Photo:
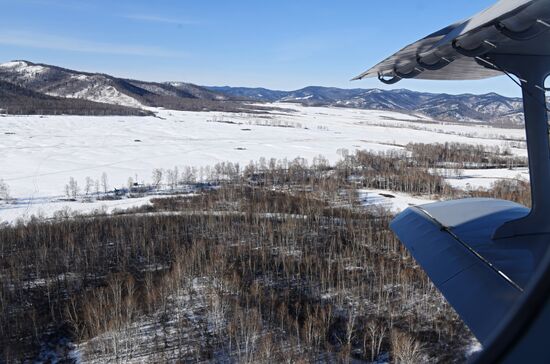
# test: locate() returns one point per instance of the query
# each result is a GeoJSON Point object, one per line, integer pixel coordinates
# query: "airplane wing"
{"type": "Point", "coordinates": [488, 257]}
{"type": "Point", "coordinates": [480, 277]}
{"type": "Point", "coordinates": [456, 52]}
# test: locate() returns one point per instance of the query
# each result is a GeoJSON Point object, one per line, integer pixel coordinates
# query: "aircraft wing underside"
{"type": "Point", "coordinates": [480, 277]}
{"type": "Point", "coordinates": [454, 53]}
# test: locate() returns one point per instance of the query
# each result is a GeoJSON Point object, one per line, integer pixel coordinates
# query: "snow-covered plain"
{"type": "Point", "coordinates": [40, 153]}
{"type": "Point", "coordinates": [24, 209]}
{"type": "Point", "coordinates": [484, 178]}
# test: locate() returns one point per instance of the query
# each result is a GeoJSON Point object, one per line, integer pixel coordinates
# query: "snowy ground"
{"type": "Point", "coordinates": [393, 201]}
{"type": "Point", "coordinates": [475, 178]}
{"type": "Point", "coordinates": [24, 209]}
{"type": "Point", "coordinates": [40, 153]}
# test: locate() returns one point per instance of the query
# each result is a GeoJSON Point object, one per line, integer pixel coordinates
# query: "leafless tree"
{"type": "Point", "coordinates": [4, 191]}
{"type": "Point", "coordinates": [406, 349]}
{"type": "Point", "coordinates": [373, 339]}
{"type": "Point", "coordinates": [157, 177]}
{"type": "Point", "coordinates": [73, 188]}
{"type": "Point", "coordinates": [88, 185]}
{"type": "Point", "coordinates": [104, 182]}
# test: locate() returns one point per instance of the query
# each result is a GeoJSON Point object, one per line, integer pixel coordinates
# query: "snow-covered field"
{"type": "Point", "coordinates": [48, 207]}
{"type": "Point", "coordinates": [40, 153]}
{"type": "Point", "coordinates": [475, 178]}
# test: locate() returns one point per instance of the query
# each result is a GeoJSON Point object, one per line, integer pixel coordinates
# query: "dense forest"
{"type": "Point", "coordinates": [280, 263]}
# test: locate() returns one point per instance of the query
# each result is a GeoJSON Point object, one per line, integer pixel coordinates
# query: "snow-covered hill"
{"type": "Point", "coordinates": [22, 101]}
{"type": "Point", "coordinates": [61, 82]}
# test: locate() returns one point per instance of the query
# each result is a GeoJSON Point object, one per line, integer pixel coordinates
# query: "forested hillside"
{"type": "Point", "coordinates": [16, 100]}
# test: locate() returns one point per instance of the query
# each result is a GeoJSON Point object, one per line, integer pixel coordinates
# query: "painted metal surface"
{"type": "Point", "coordinates": [480, 277]}
{"type": "Point", "coordinates": [483, 32]}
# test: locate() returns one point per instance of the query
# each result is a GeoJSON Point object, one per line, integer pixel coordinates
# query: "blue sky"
{"type": "Point", "coordinates": [283, 44]}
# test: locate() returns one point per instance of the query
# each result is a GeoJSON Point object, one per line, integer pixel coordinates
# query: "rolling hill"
{"type": "Point", "coordinates": [97, 87]}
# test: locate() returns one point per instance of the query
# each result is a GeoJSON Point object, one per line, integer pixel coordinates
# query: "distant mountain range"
{"type": "Point", "coordinates": [466, 107]}
{"type": "Point", "coordinates": [30, 82]}
{"type": "Point", "coordinates": [33, 88]}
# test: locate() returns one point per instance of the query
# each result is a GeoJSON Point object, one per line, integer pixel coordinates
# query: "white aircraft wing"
{"type": "Point", "coordinates": [457, 51]}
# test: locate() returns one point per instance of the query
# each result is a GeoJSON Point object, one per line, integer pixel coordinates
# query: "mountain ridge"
{"type": "Point", "coordinates": [489, 107]}
{"type": "Point", "coordinates": [101, 88]}
{"type": "Point", "coordinates": [62, 82]}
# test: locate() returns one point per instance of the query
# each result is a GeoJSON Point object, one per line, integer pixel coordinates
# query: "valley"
{"type": "Point", "coordinates": [166, 222]}
{"type": "Point", "coordinates": [41, 153]}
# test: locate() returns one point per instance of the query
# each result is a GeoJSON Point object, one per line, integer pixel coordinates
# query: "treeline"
{"type": "Point", "coordinates": [198, 104]}
{"type": "Point", "coordinates": [514, 190]}
{"type": "Point", "coordinates": [393, 170]}
{"type": "Point", "coordinates": [460, 155]}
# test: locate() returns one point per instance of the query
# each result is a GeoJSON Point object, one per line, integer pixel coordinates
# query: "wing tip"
{"type": "Point", "coordinates": [360, 76]}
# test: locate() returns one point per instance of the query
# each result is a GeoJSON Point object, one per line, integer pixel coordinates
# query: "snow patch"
{"type": "Point", "coordinates": [80, 77]}
{"type": "Point", "coordinates": [388, 200]}
{"type": "Point", "coordinates": [26, 70]}
{"type": "Point", "coordinates": [101, 93]}
{"type": "Point", "coordinates": [474, 348]}
{"type": "Point", "coordinates": [482, 178]}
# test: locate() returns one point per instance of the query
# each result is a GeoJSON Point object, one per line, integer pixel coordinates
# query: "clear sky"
{"type": "Point", "coordinates": [279, 44]}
